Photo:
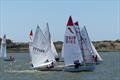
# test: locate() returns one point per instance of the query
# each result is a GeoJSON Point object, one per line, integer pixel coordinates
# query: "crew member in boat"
{"type": "Point", "coordinates": [94, 58]}
{"type": "Point", "coordinates": [77, 63]}
{"type": "Point", "coordinates": [50, 65]}
{"type": "Point", "coordinates": [11, 57]}
{"type": "Point", "coordinates": [31, 64]}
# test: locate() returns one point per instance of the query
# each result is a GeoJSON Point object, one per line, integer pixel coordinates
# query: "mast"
{"type": "Point", "coordinates": [78, 33]}
{"type": "Point", "coordinates": [40, 50]}
{"type": "Point", "coordinates": [72, 51]}
{"type": "Point", "coordinates": [87, 45]}
{"type": "Point", "coordinates": [91, 51]}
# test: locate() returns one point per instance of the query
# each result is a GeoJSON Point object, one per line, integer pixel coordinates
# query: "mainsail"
{"type": "Point", "coordinates": [40, 50]}
{"type": "Point", "coordinates": [90, 44]}
{"type": "Point", "coordinates": [71, 48]}
{"type": "Point", "coordinates": [3, 48]}
{"type": "Point", "coordinates": [86, 45]}
{"type": "Point", "coordinates": [48, 37]}
{"type": "Point", "coordinates": [96, 53]}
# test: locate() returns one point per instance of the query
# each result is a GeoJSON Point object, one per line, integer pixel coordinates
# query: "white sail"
{"type": "Point", "coordinates": [71, 47]}
{"type": "Point", "coordinates": [62, 53]}
{"type": "Point", "coordinates": [48, 37]}
{"type": "Point", "coordinates": [54, 50]}
{"type": "Point", "coordinates": [3, 48]}
{"type": "Point", "coordinates": [30, 44]}
{"type": "Point", "coordinates": [86, 45]}
{"type": "Point", "coordinates": [90, 46]}
{"type": "Point", "coordinates": [40, 51]}
{"type": "Point", "coordinates": [96, 53]}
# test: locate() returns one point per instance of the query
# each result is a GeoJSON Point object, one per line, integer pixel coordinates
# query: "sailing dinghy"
{"type": "Point", "coordinates": [73, 54]}
{"type": "Point", "coordinates": [3, 53]}
{"type": "Point", "coordinates": [95, 55]}
{"type": "Point", "coordinates": [41, 54]}
{"type": "Point", "coordinates": [48, 37]}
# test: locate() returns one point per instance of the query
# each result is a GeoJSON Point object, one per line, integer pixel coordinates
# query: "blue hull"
{"type": "Point", "coordinates": [98, 62]}
{"type": "Point", "coordinates": [80, 68]}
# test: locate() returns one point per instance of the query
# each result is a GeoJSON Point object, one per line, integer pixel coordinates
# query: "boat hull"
{"type": "Point", "coordinates": [55, 68]}
{"type": "Point", "coordinates": [80, 68]}
{"type": "Point", "coordinates": [8, 59]}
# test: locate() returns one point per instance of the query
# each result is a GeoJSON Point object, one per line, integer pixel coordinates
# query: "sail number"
{"type": "Point", "coordinates": [70, 39]}
{"type": "Point", "coordinates": [39, 50]}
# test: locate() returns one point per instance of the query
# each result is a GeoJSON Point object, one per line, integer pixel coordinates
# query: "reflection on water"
{"type": "Point", "coordinates": [20, 70]}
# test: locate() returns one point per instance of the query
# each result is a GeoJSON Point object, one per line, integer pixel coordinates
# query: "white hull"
{"type": "Point", "coordinates": [80, 68]}
{"type": "Point", "coordinates": [55, 68]}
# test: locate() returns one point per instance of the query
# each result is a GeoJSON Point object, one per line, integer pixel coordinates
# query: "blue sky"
{"type": "Point", "coordinates": [101, 17]}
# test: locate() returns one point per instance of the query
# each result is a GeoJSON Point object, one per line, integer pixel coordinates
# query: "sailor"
{"type": "Point", "coordinates": [31, 64]}
{"type": "Point", "coordinates": [11, 57]}
{"type": "Point", "coordinates": [77, 63]}
{"type": "Point", "coordinates": [50, 65]}
{"type": "Point", "coordinates": [95, 58]}
{"type": "Point", "coordinates": [57, 59]}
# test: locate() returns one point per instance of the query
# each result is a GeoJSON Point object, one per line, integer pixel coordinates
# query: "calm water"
{"type": "Point", "coordinates": [19, 70]}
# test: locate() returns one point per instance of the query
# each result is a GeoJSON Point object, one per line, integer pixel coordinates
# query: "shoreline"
{"type": "Point", "coordinates": [15, 50]}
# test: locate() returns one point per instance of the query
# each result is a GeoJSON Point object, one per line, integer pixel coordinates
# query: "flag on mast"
{"type": "Point", "coordinates": [31, 35]}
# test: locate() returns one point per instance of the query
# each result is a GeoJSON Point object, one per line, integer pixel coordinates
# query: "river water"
{"type": "Point", "coordinates": [20, 70]}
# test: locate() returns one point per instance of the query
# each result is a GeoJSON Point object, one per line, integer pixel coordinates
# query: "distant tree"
{"type": "Point", "coordinates": [117, 40]}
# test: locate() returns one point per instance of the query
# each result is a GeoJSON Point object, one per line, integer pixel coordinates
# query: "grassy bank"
{"type": "Point", "coordinates": [16, 50]}
{"type": "Point", "coordinates": [101, 46]}
{"type": "Point", "coordinates": [26, 50]}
